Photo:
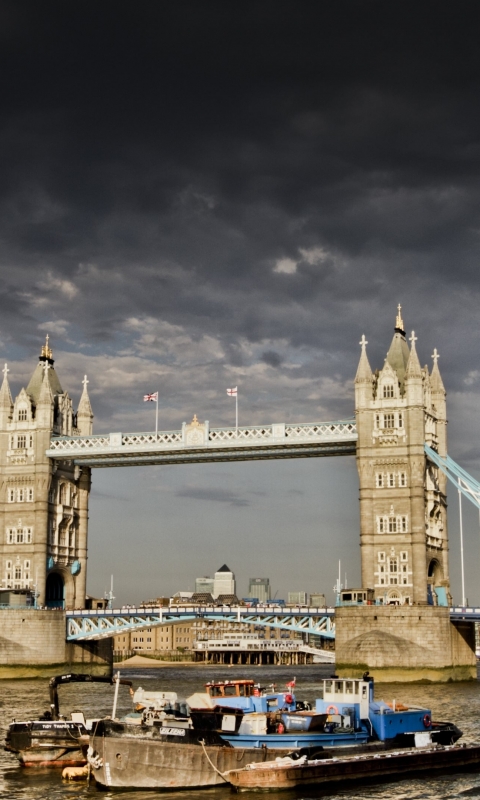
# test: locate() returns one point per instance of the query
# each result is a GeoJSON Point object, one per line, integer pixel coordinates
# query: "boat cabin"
{"type": "Point", "coordinates": [240, 688]}
{"type": "Point", "coordinates": [346, 698]}
{"type": "Point", "coordinates": [356, 597]}
{"type": "Point", "coordinates": [244, 694]}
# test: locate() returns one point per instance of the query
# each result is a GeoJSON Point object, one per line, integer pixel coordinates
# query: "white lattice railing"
{"type": "Point", "coordinates": [321, 430]}
{"type": "Point", "coordinates": [242, 434]}
{"type": "Point", "coordinates": [164, 438]}
{"type": "Point", "coordinates": [275, 434]}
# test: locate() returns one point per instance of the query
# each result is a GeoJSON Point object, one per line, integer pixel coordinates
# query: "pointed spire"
{"type": "Point", "coordinates": [85, 413]}
{"type": "Point", "coordinates": [413, 369]}
{"type": "Point", "coordinates": [46, 395]}
{"type": "Point", "coordinates": [398, 353]}
{"type": "Point", "coordinates": [46, 351]}
{"type": "Point", "coordinates": [436, 378]}
{"type": "Point", "coordinates": [364, 371]}
{"type": "Point", "coordinates": [5, 393]}
{"type": "Point", "coordinates": [399, 326]}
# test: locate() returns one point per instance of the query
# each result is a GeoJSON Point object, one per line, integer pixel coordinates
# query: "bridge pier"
{"type": "Point", "coordinates": [404, 644]}
{"type": "Point", "coordinates": [32, 645]}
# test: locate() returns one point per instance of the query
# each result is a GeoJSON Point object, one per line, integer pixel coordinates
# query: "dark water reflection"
{"type": "Point", "coordinates": [459, 703]}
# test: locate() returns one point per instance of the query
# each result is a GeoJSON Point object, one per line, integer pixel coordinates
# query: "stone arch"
{"type": "Point", "coordinates": [55, 591]}
{"type": "Point", "coordinates": [393, 598]}
{"type": "Point", "coordinates": [435, 572]}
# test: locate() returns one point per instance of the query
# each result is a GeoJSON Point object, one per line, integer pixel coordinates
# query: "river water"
{"type": "Point", "coordinates": [26, 699]}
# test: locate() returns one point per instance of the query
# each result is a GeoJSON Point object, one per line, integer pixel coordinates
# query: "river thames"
{"type": "Point", "coordinates": [26, 699]}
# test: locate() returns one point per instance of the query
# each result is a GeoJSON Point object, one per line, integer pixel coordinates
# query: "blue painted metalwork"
{"type": "Point", "coordinates": [457, 475]}
{"type": "Point", "coordinates": [87, 625]}
{"type": "Point", "coordinates": [459, 613]}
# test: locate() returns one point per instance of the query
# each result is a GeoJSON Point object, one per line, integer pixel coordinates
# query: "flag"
{"type": "Point", "coordinates": [153, 397]}
{"type": "Point", "coordinates": [232, 392]}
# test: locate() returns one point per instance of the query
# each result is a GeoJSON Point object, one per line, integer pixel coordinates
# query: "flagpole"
{"type": "Point", "coordinates": [156, 421]}
{"type": "Point", "coordinates": [236, 412]}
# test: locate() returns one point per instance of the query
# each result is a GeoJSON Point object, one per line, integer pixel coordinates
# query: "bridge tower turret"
{"type": "Point", "coordinates": [403, 521]}
{"type": "Point", "coordinates": [43, 505]}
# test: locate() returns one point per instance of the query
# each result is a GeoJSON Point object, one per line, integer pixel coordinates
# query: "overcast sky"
{"type": "Point", "coordinates": [197, 195]}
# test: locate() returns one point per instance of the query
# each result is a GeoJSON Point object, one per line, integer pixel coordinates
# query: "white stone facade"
{"type": "Point", "coordinates": [43, 504]}
{"type": "Point", "coordinates": [403, 521]}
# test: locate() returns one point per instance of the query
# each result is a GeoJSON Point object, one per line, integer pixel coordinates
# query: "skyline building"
{"type": "Point", "coordinates": [224, 582]}
{"type": "Point", "coordinates": [259, 588]}
{"type": "Point", "coordinates": [204, 585]}
{"type": "Point", "coordinates": [297, 599]}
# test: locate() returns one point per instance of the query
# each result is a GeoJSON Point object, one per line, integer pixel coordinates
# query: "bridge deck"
{"type": "Point", "coordinates": [86, 625]}
{"type": "Point", "coordinates": [203, 444]}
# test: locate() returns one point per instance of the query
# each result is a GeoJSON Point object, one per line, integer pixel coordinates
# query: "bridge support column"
{"type": "Point", "coordinates": [32, 645]}
{"type": "Point", "coordinates": [404, 643]}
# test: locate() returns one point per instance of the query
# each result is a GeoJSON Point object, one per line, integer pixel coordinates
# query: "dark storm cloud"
{"type": "Point", "coordinates": [202, 195]}
{"type": "Point", "coordinates": [272, 178]}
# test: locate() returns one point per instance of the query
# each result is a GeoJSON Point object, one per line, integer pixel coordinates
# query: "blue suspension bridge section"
{"type": "Point", "coordinates": [457, 475]}
{"type": "Point", "coordinates": [101, 624]}
{"type": "Point", "coordinates": [85, 625]}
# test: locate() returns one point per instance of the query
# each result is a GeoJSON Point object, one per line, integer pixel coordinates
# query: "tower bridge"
{"type": "Point", "coordinates": [398, 436]}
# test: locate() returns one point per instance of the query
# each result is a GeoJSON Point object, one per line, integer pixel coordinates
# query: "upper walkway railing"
{"type": "Point", "coordinates": [197, 442]}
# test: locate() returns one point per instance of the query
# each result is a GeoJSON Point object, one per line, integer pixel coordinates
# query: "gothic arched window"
{"type": "Point", "coordinates": [388, 390]}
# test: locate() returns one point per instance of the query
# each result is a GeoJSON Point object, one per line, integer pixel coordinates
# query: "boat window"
{"type": "Point", "coordinates": [338, 687]}
{"type": "Point", "coordinates": [230, 691]}
{"type": "Point", "coordinates": [364, 691]}
{"type": "Point", "coordinates": [348, 687]}
{"type": "Point", "coordinates": [328, 687]}
{"type": "Point", "coordinates": [216, 691]}
{"type": "Point", "coordinates": [357, 687]}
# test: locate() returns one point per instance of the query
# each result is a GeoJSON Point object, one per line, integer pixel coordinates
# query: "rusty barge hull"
{"type": "Point", "coordinates": [381, 767]}
{"type": "Point", "coordinates": [152, 764]}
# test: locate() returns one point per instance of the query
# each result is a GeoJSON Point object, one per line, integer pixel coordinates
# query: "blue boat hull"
{"type": "Point", "coordinates": [295, 739]}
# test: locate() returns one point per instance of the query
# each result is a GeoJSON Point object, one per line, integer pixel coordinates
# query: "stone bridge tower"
{"type": "Point", "coordinates": [403, 519]}
{"type": "Point", "coordinates": [43, 505]}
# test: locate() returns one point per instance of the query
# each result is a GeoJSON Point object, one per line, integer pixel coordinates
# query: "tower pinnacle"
{"type": "Point", "coordinates": [85, 413]}
{"type": "Point", "coordinates": [414, 369]}
{"type": "Point", "coordinates": [364, 371]}
{"type": "Point", "coordinates": [399, 326]}
{"type": "Point", "coordinates": [46, 351]}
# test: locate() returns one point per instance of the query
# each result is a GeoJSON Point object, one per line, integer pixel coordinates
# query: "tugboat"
{"type": "Point", "coordinates": [52, 740]}
{"type": "Point", "coordinates": [346, 714]}
{"type": "Point", "coordinates": [236, 723]}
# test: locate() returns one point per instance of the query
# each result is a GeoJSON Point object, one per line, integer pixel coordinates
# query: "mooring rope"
{"type": "Point", "coordinates": [222, 774]}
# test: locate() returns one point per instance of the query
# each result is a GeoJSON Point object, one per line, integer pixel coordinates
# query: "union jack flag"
{"type": "Point", "coordinates": [232, 392]}
{"type": "Point", "coordinates": [153, 397]}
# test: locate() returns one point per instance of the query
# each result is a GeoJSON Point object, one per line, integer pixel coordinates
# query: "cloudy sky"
{"type": "Point", "coordinates": [196, 195]}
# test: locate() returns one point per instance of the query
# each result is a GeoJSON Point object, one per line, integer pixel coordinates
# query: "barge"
{"type": "Point", "coordinates": [380, 767]}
